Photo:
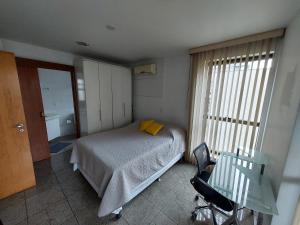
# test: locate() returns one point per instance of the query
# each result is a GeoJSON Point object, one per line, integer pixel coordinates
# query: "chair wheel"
{"type": "Point", "coordinates": [194, 216]}
{"type": "Point", "coordinates": [196, 198]}
{"type": "Point", "coordinates": [118, 216]}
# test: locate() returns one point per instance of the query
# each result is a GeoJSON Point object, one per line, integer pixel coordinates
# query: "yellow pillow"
{"type": "Point", "coordinates": [154, 128]}
{"type": "Point", "coordinates": [144, 124]}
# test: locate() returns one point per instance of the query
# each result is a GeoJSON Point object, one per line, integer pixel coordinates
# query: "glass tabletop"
{"type": "Point", "coordinates": [240, 181]}
{"type": "Point", "coordinates": [250, 155]}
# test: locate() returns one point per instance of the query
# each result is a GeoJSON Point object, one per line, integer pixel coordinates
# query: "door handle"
{"type": "Point", "coordinates": [42, 114]}
{"type": "Point", "coordinates": [20, 127]}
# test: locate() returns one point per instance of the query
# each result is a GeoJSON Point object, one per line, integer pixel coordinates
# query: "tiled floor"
{"type": "Point", "coordinates": [63, 197]}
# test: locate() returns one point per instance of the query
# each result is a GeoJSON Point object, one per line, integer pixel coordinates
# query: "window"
{"type": "Point", "coordinates": [230, 92]}
{"type": "Point", "coordinates": [235, 102]}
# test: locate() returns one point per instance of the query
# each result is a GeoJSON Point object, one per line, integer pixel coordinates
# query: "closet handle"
{"type": "Point", "coordinates": [124, 109]}
{"type": "Point", "coordinates": [100, 114]}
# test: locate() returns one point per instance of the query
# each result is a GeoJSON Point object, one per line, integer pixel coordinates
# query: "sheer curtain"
{"type": "Point", "coordinates": [229, 94]}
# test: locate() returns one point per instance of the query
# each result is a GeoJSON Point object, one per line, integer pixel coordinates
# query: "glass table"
{"type": "Point", "coordinates": [250, 155]}
{"type": "Point", "coordinates": [240, 180]}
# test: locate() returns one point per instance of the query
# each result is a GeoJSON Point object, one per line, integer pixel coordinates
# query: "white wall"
{"type": "Point", "coordinates": [36, 52]}
{"type": "Point", "coordinates": [289, 191]}
{"type": "Point", "coordinates": [1, 45]}
{"type": "Point", "coordinates": [284, 103]}
{"type": "Point", "coordinates": [163, 96]}
{"type": "Point", "coordinates": [280, 124]}
{"type": "Point", "coordinates": [56, 88]}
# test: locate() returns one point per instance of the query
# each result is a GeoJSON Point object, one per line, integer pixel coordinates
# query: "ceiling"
{"type": "Point", "coordinates": [143, 28]}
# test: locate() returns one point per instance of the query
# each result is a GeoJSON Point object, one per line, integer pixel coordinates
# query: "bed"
{"type": "Point", "coordinates": [121, 163]}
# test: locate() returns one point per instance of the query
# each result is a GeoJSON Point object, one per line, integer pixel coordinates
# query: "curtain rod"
{"type": "Point", "coordinates": [237, 41]}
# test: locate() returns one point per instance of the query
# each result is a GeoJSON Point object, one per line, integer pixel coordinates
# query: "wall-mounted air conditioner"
{"type": "Point", "coordinates": [149, 69]}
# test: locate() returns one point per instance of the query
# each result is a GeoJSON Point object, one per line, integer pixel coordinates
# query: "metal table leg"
{"type": "Point", "coordinates": [233, 218]}
{"type": "Point", "coordinates": [260, 219]}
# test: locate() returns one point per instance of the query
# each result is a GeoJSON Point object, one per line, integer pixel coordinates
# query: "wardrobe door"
{"type": "Point", "coordinates": [91, 78]}
{"type": "Point", "coordinates": [127, 94]}
{"type": "Point", "coordinates": [106, 114]}
{"type": "Point", "coordinates": [118, 112]}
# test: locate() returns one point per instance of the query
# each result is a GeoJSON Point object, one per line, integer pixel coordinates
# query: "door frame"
{"type": "Point", "coordinates": [57, 66]}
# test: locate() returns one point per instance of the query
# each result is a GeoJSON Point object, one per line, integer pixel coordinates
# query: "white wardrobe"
{"type": "Point", "coordinates": [105, 96]}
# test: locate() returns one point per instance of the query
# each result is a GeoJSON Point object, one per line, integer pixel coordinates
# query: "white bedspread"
{"type": "Point", "coordinates": [117, 161]}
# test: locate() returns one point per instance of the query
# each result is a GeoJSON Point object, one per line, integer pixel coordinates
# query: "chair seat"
{"type": "Point", "coordinates": [209, 194]}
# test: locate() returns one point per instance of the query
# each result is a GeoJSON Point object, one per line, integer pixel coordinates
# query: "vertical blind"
{"type": "Point", "coordinates": [229, 95]}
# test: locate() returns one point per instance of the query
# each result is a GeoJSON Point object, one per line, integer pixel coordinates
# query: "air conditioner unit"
{"type": "Point", "coordinates": [149, 69]}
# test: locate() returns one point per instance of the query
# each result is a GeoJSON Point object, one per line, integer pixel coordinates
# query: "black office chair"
{"type": "Point", "coordinates": [212, 198]}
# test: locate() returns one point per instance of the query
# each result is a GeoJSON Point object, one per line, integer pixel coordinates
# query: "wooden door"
{"type": "Point", "coordinates": [105, 96]}
{"type": "Point", "coordinates": [16, 168]}
{"type": "Point", "coordinates": [91, 80]}
{"type": "Point", "coordinates": [34, 112]}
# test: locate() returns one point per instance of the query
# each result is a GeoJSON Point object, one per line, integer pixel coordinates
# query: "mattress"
{"type": "Point", "coordinates": [117, 161]}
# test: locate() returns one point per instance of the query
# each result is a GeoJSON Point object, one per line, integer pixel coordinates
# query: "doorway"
{"type": "Point", "coordinates": [49, 93]}
{"type": "Point", "coordinates": [56, 90]}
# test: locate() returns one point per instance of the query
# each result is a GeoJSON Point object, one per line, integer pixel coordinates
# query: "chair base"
{"type": "Point", "coordinates": [231, 219]}
{"type": "Point", "coordinates": [210, 207]}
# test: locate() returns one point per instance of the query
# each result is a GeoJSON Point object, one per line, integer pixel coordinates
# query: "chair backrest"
{"type": "Point", "coordinates": [201, 154]}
